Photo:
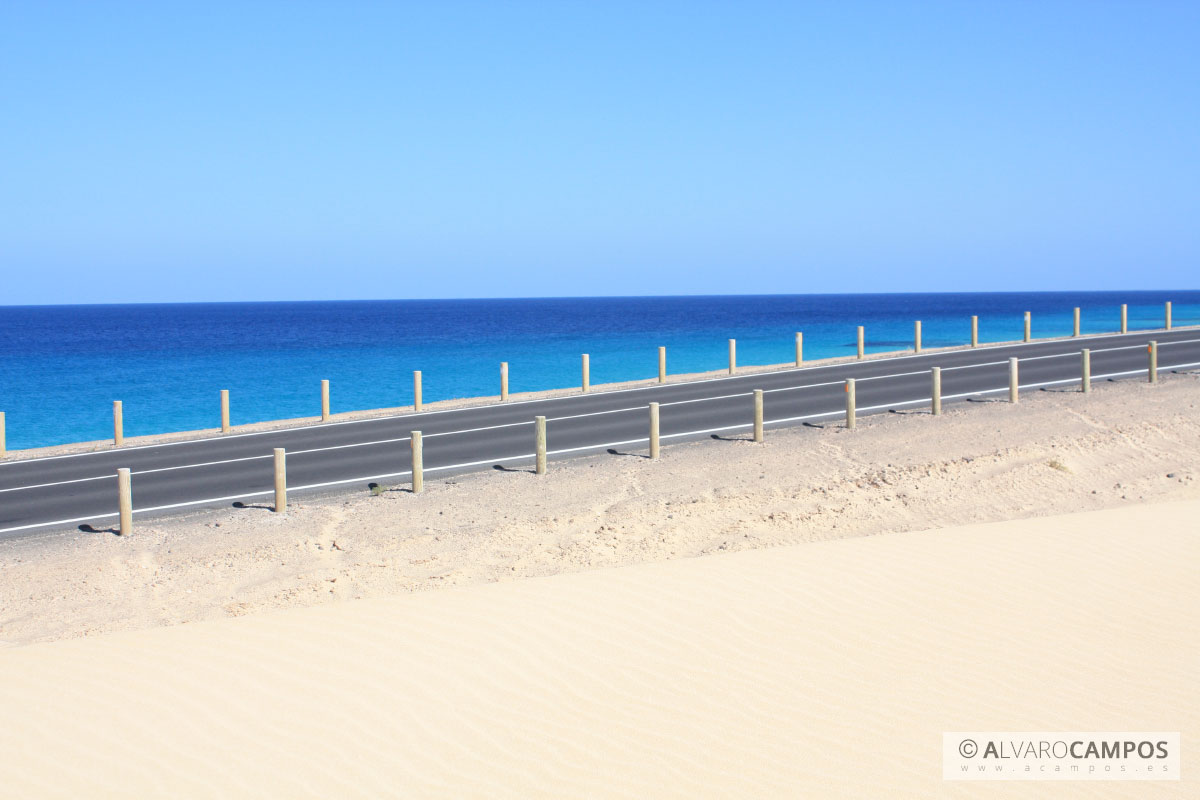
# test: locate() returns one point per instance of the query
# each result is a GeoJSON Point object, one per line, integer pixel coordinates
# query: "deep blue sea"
{"type": "Point", "coordinates": [62, 366]}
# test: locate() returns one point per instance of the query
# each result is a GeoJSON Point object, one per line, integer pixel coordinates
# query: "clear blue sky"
{"type": "Point", "coordinates": [299, 150]}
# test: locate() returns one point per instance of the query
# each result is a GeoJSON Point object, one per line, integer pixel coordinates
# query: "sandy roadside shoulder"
{"type": "Point", "coordinates": [1057, 451]}
{"type": "Point", "coordinates": [817, 670]}
{"type": "Point", "coordinates": [469, 402]}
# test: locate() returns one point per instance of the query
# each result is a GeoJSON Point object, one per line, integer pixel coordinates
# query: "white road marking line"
{"type": "Point", "coordinates": [62, 522]}
{"type": "Point", "coordinates": [342, 446]}
{"type": "Point", "coordinates": [202, 464]}
{"type": "Point", "coordinates": [484, 428]}
{"type": "Point", "coordinates": [57, 483]}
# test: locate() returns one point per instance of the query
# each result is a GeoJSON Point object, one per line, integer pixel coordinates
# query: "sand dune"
{"type": "Point", "coordinates": [826, 669]}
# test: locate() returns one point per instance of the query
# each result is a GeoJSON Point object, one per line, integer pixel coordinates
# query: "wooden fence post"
{"type": "Point", "coordinates": [418, 462]}
{"type": "Point", "coordinates": [758, 415]}
{"type": "Point", "coordinates": [850, 403]}
{"type": "Point", "coordinates": [539, 428]}
{"type": "Point", "coordinates": [654, 443]}
{"type": "Point", "coordinates": [280, 480]}
{"type": "Point", "coordinates": [125, 501]}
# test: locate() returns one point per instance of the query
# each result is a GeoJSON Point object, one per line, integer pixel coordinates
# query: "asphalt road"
{"type": "Point", "coordinates": [64, 491]}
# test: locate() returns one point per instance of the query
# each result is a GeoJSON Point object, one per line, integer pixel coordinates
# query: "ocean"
{"type": "Point", "coordinates": [62, 366]}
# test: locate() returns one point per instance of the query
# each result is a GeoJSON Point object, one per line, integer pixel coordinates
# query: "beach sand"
{"type": "Point", "coordinates": [594, 632]}
{"type": "Point", "coordinates": [825, 669]}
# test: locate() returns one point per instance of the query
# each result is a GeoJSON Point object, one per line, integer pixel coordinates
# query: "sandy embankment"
{"type": "Point", "coordinates": [467, 402]}
{"type": "Point", "coordinates": [816, 670]}
{"type": "Point", "coordinates": [1055, 452]}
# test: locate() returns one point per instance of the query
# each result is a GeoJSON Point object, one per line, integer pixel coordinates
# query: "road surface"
{"type": "Point", "coordinates": [64, 492]}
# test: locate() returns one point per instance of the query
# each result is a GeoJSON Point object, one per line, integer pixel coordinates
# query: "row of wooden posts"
{"type": "Point", "coordinates": [124, 484]}
{"type": "Point", "coordinates": [118, 411]}
{"type": "Point", "coordinates": [118, 422]}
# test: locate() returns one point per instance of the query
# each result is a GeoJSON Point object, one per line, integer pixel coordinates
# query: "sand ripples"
{"type": "Point", "coordinates": [825, 669]}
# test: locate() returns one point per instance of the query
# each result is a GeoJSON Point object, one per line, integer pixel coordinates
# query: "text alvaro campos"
{"type": "Point", "coordinates": [1060, 755]}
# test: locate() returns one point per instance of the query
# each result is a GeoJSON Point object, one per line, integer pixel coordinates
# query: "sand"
{"type": "Point", "coordinates": [814, 670]}
{"type": "Point", "coordinates": [1055, 452]}
{"type": "Point", "coordinates": [595, 633]}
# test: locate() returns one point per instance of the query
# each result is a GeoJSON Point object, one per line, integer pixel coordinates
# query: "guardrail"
{"type": "Point", "coordinates": [757, 423]}
{"type": "Point", "coordinates": [326, 414]}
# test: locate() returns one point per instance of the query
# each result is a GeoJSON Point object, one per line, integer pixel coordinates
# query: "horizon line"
{"type": "Point", "coordinates": [585, 297]}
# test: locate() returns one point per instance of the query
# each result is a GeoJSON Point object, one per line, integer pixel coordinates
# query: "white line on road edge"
{"type": "Point", "coordinates": [203, 464]}
{"type": "Point", "coordinates": [61, 483]}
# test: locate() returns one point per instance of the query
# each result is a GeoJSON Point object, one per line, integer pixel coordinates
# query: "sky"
{"type": "Point", "coordinates": [158, 152]}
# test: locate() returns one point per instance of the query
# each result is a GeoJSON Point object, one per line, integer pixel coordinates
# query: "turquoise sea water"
{"type": "Point", "coordinates": [62, 366]}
